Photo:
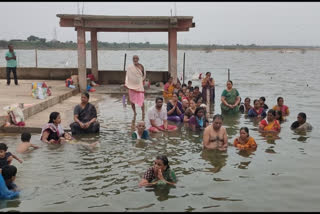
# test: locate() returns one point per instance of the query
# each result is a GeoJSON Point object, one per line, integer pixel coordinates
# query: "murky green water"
{"type": "Point", "coordinates": [281, 175]}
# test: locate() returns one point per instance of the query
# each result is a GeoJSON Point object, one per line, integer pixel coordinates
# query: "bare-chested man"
{"type": "Point", "coordinates": [215, 136]}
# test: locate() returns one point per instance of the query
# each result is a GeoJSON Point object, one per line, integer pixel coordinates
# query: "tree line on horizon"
{"type": "Point", "coordinates": [34, 42]}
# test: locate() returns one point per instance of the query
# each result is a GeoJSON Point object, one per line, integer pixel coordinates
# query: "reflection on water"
{"type": "Point", "coordinates": [216, 158]}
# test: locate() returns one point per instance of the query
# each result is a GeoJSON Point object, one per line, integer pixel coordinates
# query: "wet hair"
{"type": "Point", "coordinates": [198, 109]}
{"type": "Point", "coordinates": [279, 98]}
{"type": "Point", "coordinates": [196, 87]}
{"type": "Point", "coordinates": [262, 98]}
{"type": "Point", "coordinates": [217, 116]}
{"type": "Point", "coordinates": [230, 82]}
{"type": "Point", "coordinates": [164, 160]}
{"type": "Point", "coordinates": [9, 45]}
{"type": "Point", "coordinates": [159, 98]}
{"type": "Point", "coordinates": [25, 137]}
{"type": "Point", "coordinates": [9, 171]}
{"type": "Point", "coordinates": [295, 125]}
{"type": "Point", "coordinates": [208, 73]}
{"type": "Point", "coordinates": [189, 81]}
{"type": "Point", "coordinates": [245, 129]}
{"type": "Point", "coordinates": [280, 114]}
{"type": "Point", "coordinates": [53, 116]}
{"type": "Point", "coordinates": [247, 98]}
{"type": "Point", "coordinates": [254, 102]}
{"type": "Point", "coordinates": [86, 94]}
{"type": "Point", "coordinates": [272, 112]}
{"type": "Point", "coordinates": [303, 115]}
{"type": "Point", "coordinates": [3, 147]}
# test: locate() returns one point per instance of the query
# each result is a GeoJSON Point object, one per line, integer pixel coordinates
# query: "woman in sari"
{"type": "Point", "coordinates": [208, 85]}
{"type": "Point", "coordinates": [190, 111]}
{"type": "Point", "coordinates": [281, 107]}
{"type": "Point", "coordinates": [198, 121]}
{"type": "Point", "coordinates": [230, 99]}
{"type": "Point", "coordinates": [245, 107]}
{"type": "Point", "coordinates": [53, 132]}
{"type": "Point", "coordinates": [270, 124]}
{"type": "Point", "coordinates": [85, 117]}
{"type": "Point", "coordinates": [174, 109]}
{"type": "Point", "coordinates": [160, 173]}
{"type": "Point", "coordinates": [135, 76]}
{"type": "Point", "coordinates": [168, 89]}
{"type": "Point", "coordinates": [245, 141]}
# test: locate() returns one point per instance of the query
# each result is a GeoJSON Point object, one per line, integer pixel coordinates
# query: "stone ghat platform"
{"type": "Point", "coordinates": [63, 100]}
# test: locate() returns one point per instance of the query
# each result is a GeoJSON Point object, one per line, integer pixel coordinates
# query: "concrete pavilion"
{"type": "Point", "coordinates": [98, 23]}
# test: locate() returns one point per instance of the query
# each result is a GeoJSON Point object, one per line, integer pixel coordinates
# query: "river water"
{"type": "Point", "coordinates": [281, 175]}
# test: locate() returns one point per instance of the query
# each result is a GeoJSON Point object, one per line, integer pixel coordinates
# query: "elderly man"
{"type": "Point", "coordinates": [215, 136]}
{"type": "Point", "coordinates": [135, 76]}
{"type": "Point", "coordinates": [157, 119]}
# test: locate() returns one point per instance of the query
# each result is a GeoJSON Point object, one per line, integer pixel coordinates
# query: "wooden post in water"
{"type": "Point", "coordinates": [125, 60]}
{"type": "Point", "coordinates": [184, 63]}
{"type": "Point", "coordinates": [228, 74]}
{"type": "Point", "coordinates": [36, 53]}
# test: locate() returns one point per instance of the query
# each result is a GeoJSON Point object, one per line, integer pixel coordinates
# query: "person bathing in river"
{"type": "Point", "coordinates": [208, 84]}
{"type": "Point", "coordinates": [157, 118]}
{"type": "Point", "coordinates": [134, 81]}
{"type": "Point", "coordinates": [245, 107]}
{"type": "Point", "coordinates": [160, 173]}
{"type": "Point", "coordinates": [281, 107]}
{"type": "Point", "coordinates": [141, 132]}
{"type": "Point", "coordinates": [230, 99]}
{"type": "Point", "coordinates": [257, 110]}
{"type": "Point", "coordinates": [197, 94]}
{"type": "Point", "coordinates": [198, 121]}
{"type": "Point", "coordinates": [215, 135]}
{"type": "Point", "coordinates": [6, 157]}
{"type": "Point", "coordinates": [85, 117]}
{"type": "Point", "coordinates": [262, 101]}
{"type": "Point", "coordinates": [25, 143]}
{"type": "Point", "coordinates": [270, 124]}
{"type": "Point", "coordinates": [168, 89]}
{"type": "Point", "coordinates": [174, 109]}
{"type": "Point", "coordinates": [244, 141]}
{"type": "Point", "coordinates": [279, 116]}
{"type": "Point", "coordinates": [53, 132]}
{"type": "Point", "coordinates": [190, 87]}
{"type": "Point", "coordinates": [301, 123]}
{"type": "Point", "coordinates": [190, 111]}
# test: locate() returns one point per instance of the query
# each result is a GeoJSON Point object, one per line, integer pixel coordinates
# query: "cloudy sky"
{"type": "Point", "coordinates": [224, 23]}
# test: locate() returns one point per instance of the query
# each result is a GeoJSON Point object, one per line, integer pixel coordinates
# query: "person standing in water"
{"type": "Point", "coordinates": [215, 135]}
{"type": "Point", "coordinates": [135, 77]}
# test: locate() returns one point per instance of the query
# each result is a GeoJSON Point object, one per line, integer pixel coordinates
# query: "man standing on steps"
{"type": "Point", "coordinates": [135, 76]}
{"type": "Point", "coordinates": [11, 64]}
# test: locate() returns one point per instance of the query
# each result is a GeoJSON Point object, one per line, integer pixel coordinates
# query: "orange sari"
{"type": "Point", "coordinates": [250, 144]}
{"type": "Point", "coordinates": [273, 126]}
{"type": "Point", "coordinates": [168, 91]}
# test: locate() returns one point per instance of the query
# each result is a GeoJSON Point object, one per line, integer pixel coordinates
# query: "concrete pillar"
{"type": "Point", "coordinates": [82, 70]}
{"type": "Point", "coordinates": [94, 54]}
{"type": "Point", "coordinates": [172, 47]}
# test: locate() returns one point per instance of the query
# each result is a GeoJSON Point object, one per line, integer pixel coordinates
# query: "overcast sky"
{"type": "Point", "coordinates": [224, 23]}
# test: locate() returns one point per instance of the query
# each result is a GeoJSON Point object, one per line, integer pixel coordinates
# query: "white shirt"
{"type": "Point", "coordinates": [157, 116]}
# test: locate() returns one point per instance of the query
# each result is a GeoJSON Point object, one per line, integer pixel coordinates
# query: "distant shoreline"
{"type": "Point", "coordinates": [191, 49]}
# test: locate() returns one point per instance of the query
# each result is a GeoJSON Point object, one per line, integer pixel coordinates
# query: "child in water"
{"type": "Point", "coordinates": [68, 138]}
{"type": "Point", "coordinates": [141, 132]}
{"type": "Point", "coordinates": [6, 157]}
{"type": "Point", "coordinates": [25, 143]}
